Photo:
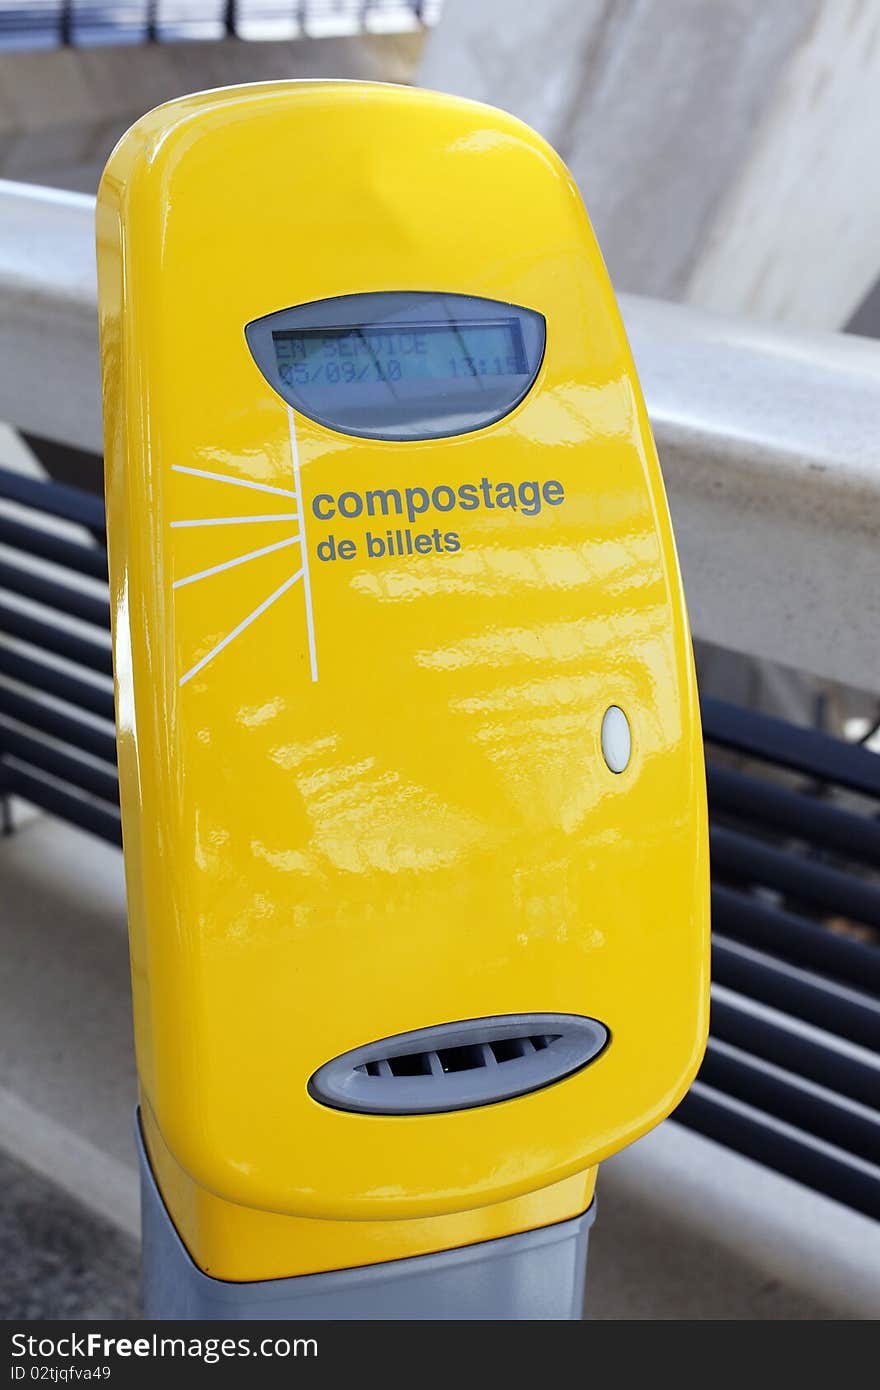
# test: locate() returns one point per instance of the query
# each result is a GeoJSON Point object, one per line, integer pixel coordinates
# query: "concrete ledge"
{"type": "Point", "coordinates": [771, 457]}
{"type": "Point", "coordinates": [49, 312]}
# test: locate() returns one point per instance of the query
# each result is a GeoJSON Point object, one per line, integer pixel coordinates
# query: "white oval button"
{"type": "Point", "coordinates": [616, 739]}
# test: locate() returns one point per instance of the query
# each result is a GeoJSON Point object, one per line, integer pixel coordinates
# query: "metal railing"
{"type": "Point", "coordinates": [55, 23]}
{"type": "Point", "coordinates": [767, 442]}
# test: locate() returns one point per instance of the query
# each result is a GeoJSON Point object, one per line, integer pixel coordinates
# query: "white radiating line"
{"type": "Point", "coordinates": [230, 564]}
{"type": "Point", "coordinates": [236, 520]}
{"type": "Point", "coordinates": [307, 584]}
{"type": "Point", "coordinates": [224, 478]}
{"type": "Point", "coordinates": [245, 622]}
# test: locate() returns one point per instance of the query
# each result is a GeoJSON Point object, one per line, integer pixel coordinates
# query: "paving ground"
{"type": "Point", "coordinates": [58, 1259]}
{"type": "Point", "coordinates": [61, 1261]}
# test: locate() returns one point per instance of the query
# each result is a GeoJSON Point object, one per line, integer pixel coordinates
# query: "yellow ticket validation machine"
{"type": "Point", "coordinates": [410, 759]}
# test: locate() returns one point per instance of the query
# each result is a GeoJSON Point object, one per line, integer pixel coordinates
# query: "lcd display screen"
{"type": "Point", "coordinates": [364, 353]}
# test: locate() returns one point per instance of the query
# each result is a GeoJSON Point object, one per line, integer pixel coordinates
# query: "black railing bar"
{"type": "Point", "coordinates": [65, 665]}
{"type": "Point", "coordinates": [71, 600]}
{"type": "Point", "coordinates": [137, 29]}
{"type": "Point", "coordinates": [795, 814]}
{"type": "Point", "coordinates": [782, 1147]}
{"type": "Point", "coordinates": [89, 775]}
{"type": "Point", "coordinates": [871, 1170]}
{"type": "Point", "coordinates": [800, 877]}
{"type": "Point", "coordinates": [810, 978]}
{"type": "Point", "coordinates": [796, 991]}
{"type": "Point", "coordinates": [74, 532]}
{"type": "Point", "coordinates": [56, 499]}
{"type": "Point", "coordinates": [10, 726]}
{"type": "Point", "coordinates": [758, 1035]}
{"type": "Point", "coordinates": [44, 34]}
{"type": "Point", "coordinates": [39, 716]}
{"type": "Point", "coordinates": [816, 1089]}
{"type": "Point", "coordinates": [52, 795]}
{"type": "Point", "coordinates": [97, 633]}
{"type": "Point", "coordinates": [22, 691]}
{"type": "Point", "coordinates": [813, 1033]}
{"type": "Point", "coordinates": [856, 1132]}
{"type": "Point", "coordinates": [53, 677]}
{"type": "Point", "coordinates": [95, 586]}
{"type": "Point", "coordinates": [773, 740]}
{"type": "Point", "coordinates": [754, 922]}
{"type": "Point", "coordinates": [96, 656]}
{"type": "Point", "coordinates": [50, 544]}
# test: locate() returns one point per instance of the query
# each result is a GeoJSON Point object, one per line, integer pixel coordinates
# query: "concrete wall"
{"type": "Point", "coordinates": [61, 112]}
{"type": "Point", "coordinates": [727, 152]}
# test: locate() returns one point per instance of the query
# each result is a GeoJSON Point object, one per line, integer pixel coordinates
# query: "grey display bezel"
{"type": "Point", "coordinates": [405, 306]}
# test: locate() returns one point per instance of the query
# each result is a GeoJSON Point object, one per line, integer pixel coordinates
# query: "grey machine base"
{"type": "Point", "coordinates": [535, 1275]}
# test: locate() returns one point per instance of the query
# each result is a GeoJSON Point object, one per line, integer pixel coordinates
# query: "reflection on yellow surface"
{"type": "Point", "coordinates": [362, 781]}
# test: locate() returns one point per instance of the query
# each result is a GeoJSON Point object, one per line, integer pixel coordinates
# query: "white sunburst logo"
{"type": "Point", "coordinates": [298, 539]}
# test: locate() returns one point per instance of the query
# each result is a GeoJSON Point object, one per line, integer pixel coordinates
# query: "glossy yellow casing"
{"type": "Point", "coordinates": [428, 830]}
